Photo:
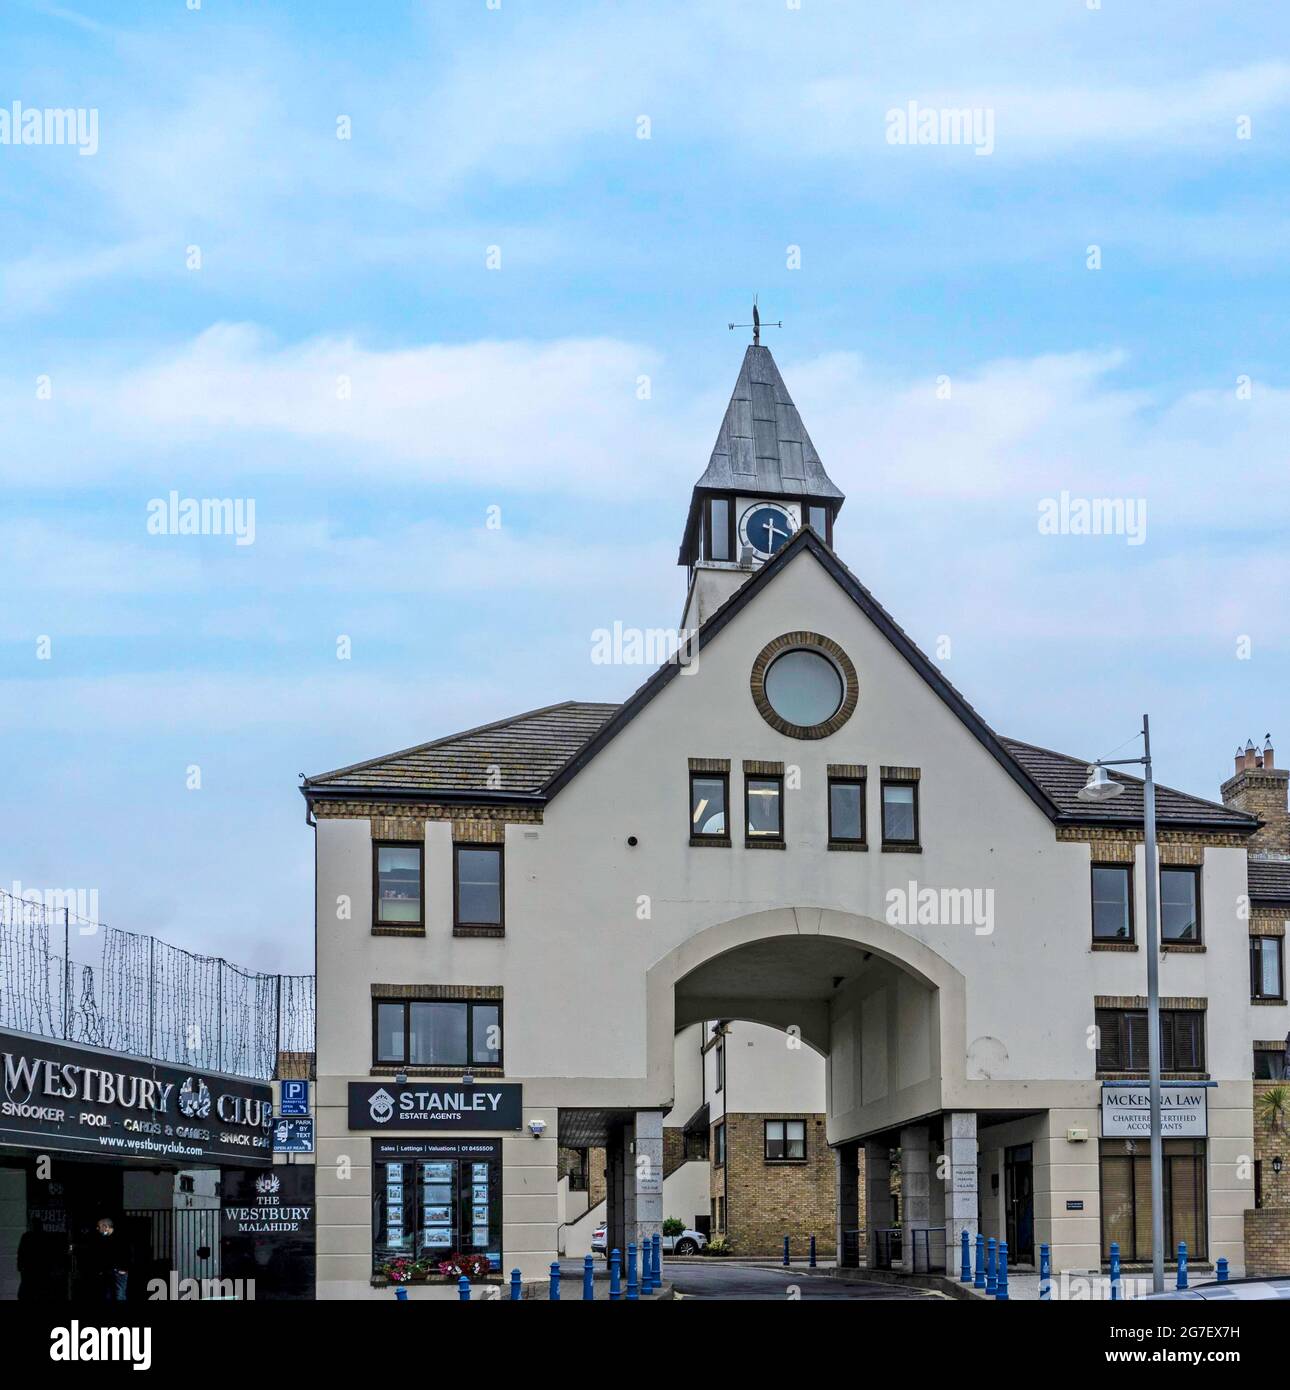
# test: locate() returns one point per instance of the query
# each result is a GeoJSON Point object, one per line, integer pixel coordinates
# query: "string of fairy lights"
{"type": "Point", "coordinates": [145, 996]}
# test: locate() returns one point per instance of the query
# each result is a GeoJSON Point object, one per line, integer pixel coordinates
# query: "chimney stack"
{"type": "Point", "coordinates": [1260, 788]}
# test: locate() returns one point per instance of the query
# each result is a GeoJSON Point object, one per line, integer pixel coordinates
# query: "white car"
{"type": "Point", "coordinates": [689, 1242]}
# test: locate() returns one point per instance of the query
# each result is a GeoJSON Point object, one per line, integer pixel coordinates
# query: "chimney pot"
{"type": "Point", "coordinates": [1268, 763]}
{"type": "Point", "coordinates": [1251, 755]}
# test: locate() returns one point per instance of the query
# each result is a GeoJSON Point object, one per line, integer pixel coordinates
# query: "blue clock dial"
{"type": "Point", "coordinates": [767, 528]}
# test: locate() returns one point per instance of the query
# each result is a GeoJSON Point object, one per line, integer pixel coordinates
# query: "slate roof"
{"type": "Point", "coordinates": [1270, 880]}
{"type": "Point", "coordinates": [1061, 776]}
{"type": "Point", "coordinates": [527, 750]}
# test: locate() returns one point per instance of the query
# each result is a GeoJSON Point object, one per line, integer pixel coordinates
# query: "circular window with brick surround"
{"type": "Point", "coordinates": [804, 685]}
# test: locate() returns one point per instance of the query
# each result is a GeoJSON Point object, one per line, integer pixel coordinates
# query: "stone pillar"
{"type": "Point", "coordinates": [960, 1186]}
{"type": "Point", "coordinates": [847, 1171]}
{"type": "Point", "coordinates": [615, 1184]}
{"type": "Point", "coordinates": [644, 1217]}
{"type": "Point", "coordinates": [878, 1209]}
{"type": "Point", "coordinates": [915, 1194]}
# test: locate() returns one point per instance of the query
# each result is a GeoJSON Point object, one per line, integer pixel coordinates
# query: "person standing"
{"type": "Point", "coordinates": [107, 1262]}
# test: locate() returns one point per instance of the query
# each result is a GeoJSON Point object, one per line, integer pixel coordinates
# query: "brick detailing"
{"type": "Point", "coordinates": [1101, 835]}
{"type": "Point", "coordinates": [754, 767]}
{"type": "Point", "coordinates": [1267, 1228]}
{"type": "Point", "coordinates": [397, 828]}
{"type": "Point", "coordinates": [900, 774]}
{"type": "Point", "coordinates": [1112, 852]}
{"type": "Point", "coordinates": [673, 1151]}
{"type": "Point", "coordinates": [1179, 855]}
{"type": "Point", "coordinates": [1262, 792]}
{"type": "Point", "coordinates": [768, 1201]}
{"type": "Point", "coordinates": [709, 764]}
{"type": "Point", "coordinates": [1267, 921]}
{"type": "Point", "coordinates": [421, 811]}
{"type": "Point", "coordinates": [295, 1066]}
{"type": "Point", "coordinates": [855, 772]}
{"type": "Point", "coordinates": [437, 992]}
{"type": "Point", "coordinates": [813, 641]}
{"type": "Point", "coordinates": [1139, 1001]}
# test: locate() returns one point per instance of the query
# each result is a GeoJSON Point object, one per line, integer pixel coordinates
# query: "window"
{"type": "Point", "coordinates": [900, 813]}
{"type": "Point", "coordinates": [1269, 1063]}
{"type": "Point", "coordinates": [708, 805]}
{"type": "Point", "coordinates": [846, 811]}
{"type": "Point", "coordinates": [1180, 905]}
{"type": "Point", "coordinates": [804, 688]}
{"type": "Point", "coordinates": [436, 1033]}
{"type": "Point", "coordinates": [719, 1063]}
{"type": "Point", "coordinates": [428, 1209]}
{"type": "Point", "coordinates": [397, 877]}
{"type": "Point", "coordinates": [764, 807]}
{"type": "Point", "coordinates": [719, 1147]}
{"type": "Point", "coordinates": [478, 876]}
{"type": "Point", "coordinates": [721, 531]}
{"type": "Point", "coordinates": [1125, 1166]}
{"type": "Point", "coordinates": [785, 1140]}
{"type": "Point", "coordinates": [1112, 902]}
{"type": "Point", "coordinates": [1122, 1040]}
{"type": "Point", "coordinates": [817, 518]}
{"type": "Point", "coordinates": [1267, 967]}
{"type": "Point", "coordinates": [696, 1144]}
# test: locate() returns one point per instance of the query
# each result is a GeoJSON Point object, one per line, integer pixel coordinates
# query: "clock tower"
{"type": "Point", "coordinates": [763, 482]}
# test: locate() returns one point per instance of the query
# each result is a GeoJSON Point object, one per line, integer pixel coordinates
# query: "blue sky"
{"type": "Point", "coordinates": [1158, 136]}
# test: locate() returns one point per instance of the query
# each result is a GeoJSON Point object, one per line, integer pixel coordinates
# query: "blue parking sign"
{"type": "Point", "coordinates": [295, 1098]}
{"type": "Point", "coordinates": [293, 1136]}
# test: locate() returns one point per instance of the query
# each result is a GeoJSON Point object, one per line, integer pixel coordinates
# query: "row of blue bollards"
{"type": "Point", "coordinates": [811, 1260]}
{"type": "Point", "coordinates": [650, 1280]}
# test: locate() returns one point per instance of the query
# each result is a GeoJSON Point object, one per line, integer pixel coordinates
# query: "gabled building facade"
{"type": "Point", "coordinates": [798, 823]}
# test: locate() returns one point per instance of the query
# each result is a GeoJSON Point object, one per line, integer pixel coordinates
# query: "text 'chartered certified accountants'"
{"type": "Point", "coordinates": [430, 1106]}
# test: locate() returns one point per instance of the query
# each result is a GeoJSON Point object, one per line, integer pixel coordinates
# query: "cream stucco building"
{"type": "Point", "coordinates": [796, 822]}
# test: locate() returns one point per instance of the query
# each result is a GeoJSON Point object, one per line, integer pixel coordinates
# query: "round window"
{"type": "Point", "coordinates": [804, 687]}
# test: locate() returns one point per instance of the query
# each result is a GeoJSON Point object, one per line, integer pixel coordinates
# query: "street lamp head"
{"type": "Point", "coordinates": [1099, 786]}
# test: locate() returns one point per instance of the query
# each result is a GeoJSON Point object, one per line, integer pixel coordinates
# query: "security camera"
{"type": "Point", "coordinates": [537, 1128]}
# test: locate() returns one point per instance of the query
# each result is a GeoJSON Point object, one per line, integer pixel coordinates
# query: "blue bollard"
{"type": "Point", "coordinates": [555, 1281]}
{"type": "Point", "coordinates": [400, 1293]}
{"type": "Point", "coordinates": [1045, 1275]}
{"type": "Point", "coordinates": [588, 1277]}
{"type": "Point", "coordinates": [1182, 1264]}
{"type": "Point", "coordinates": [647, 1267]}
{"type": "Point", "coordinates": [978, 1280]}
{"type": "Point", "coordinates": [463, 1289]}
{"type": "Point", "coordinates": [785, 1252]}
{"type": "Point", "coordinates": [812, 1260]}
{"type": "Point", "coordinates": [616, 1275]}
{"type": "Point", "coordinates": [1001, 1284]}
{"type": "Point", "coordinates": [633, 1287]}
{"type": "Point", "coordinates": [991, 1267]}
{"type": "Point", "coordinates": [965, 1275]}
{"type": "Point", "coordinates": [657, 1243]}
{"type": "Point", "coordinates": [1220, 1269]}
{"type": "Point", "coordinates": [1115, 1271]}
{"type": "Point", "coordinates": [515, 1285]}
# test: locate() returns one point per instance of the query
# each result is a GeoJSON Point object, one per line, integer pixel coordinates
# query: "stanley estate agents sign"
{"type": "Point", "coordinates": [430, 1106]}
{"type": "Point", "coordinates": [79, 1100]}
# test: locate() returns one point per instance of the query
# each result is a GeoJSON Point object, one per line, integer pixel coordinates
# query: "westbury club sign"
{"type": "Point", "coordinates": [1126, 1111]}
{"type": "Point", "coordinates": [429, 1106]}
{"type": "Point", "coordinates": [76, 1100]}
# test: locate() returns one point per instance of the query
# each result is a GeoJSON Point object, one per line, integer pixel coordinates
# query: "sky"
{"type": "Point", "coordinates": [443, 290]}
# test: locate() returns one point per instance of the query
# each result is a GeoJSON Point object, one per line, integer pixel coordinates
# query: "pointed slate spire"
{"type": "Point", "coordinates": [763, 449]}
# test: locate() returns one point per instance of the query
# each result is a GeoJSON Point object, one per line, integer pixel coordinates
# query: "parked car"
{"type": "Point", "coordinates": [689, 1242]}
{"type": "Point", "coordinates": [1242, 1289]}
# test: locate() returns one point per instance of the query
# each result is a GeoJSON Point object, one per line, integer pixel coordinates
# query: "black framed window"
{"type": "Point", "coordinates": [1180, 905]}
{"type": "Point", "coordinates": [709, 796]}
{"type": "Point", "coordinates": [817, 518]}
{"type": "Point", "coordinates": [899, 813]}
{"type": "Point", "coordinates": [1122, 1040]}
{"type": "Point", "coordinates": [719, 1064]}
{"type": "Point", "coordinates": [764, 807]}
{"type": "Point", "coordinates": [846, 810]}
{"type": "Point", "coordinates": [428, 1208]}
{"type": "Point", "coordinates": [696, 1144]}
{"type": "Point", "coordinates": [1112, 902]}
{"type": "Point", "coordinates": [397, 879]}
{"type": "Point", "coordinates": [1125, 1181]}
{"type": "Point", "coordinates": [437, 1033]}
{"type": "Point", "coordinates": [719, 1144]}
{"type": "Point", "coordinates": [478, 883]}
{"type": "Point", "coordinates": [1267, 967]}
{"type": "Point", "coordinates": [785, 1141]}
{"type": "Point", "coordinates": [721, 529]}
{"type": "Point", "coordinates": [1269, 1064]}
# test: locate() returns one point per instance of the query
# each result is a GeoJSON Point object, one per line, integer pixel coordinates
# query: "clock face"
{"type": "Point", "coordinates": [765, 527]}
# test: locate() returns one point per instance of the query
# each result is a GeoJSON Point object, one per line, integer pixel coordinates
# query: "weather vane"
{"type": "Point", "coordinates": [755, 325]}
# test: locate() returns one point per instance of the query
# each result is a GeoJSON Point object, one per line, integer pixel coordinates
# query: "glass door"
{"type": "Point", "coordinates": [1019, 1196]}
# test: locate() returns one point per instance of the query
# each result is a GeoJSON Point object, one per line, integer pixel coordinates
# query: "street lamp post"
{"type": "Point", "coordinates": [1100, 787]}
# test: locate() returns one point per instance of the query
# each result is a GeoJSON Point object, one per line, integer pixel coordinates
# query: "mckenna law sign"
{"type": "Point", "coordinates": [428, 1107]}
{"type": "Point", "coordinates": [1126, 1111]}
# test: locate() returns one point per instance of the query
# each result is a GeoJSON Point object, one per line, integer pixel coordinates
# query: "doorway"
{"type": "Point", "coordinates": [1019, 1203]}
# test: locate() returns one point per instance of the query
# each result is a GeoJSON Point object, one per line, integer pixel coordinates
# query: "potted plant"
{"type": "Point", "coordinates": [673, 1226]}
{"type": "Point", "coordinates": [472, 1266]}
